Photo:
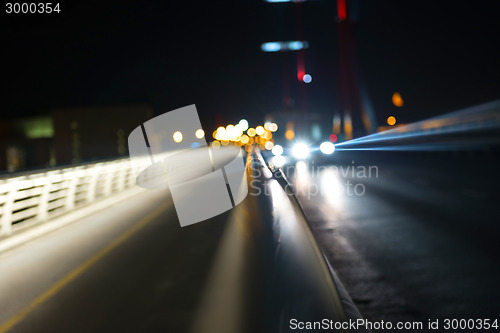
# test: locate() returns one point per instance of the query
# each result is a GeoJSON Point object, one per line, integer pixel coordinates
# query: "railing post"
{"type": "Point", "coordinates": [93, 173]}
{"type": "Point", "coordinates": [7, 210]}
{"type": "Point", "coordinates": [70, 194]}
{"type": "Point", "coordinates": [116, 173]}
{"type": "Point", "coordinates": [43, 210]}
{"type": "Point", "coordinates": [130, 172]}
{"type": "Point", "coordinates": [121, 177]}
{"type": "Point", "coordinates": [108, 181]}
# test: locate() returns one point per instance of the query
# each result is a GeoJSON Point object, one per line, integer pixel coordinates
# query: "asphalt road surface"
{"type": "Point", "coordinates": [129, 268]}
{"type": "Point", "coordinates": [132, 268]}
{"type": "Point", "coordinates": [412, 239]}
{"type": "Point", "coordinates": [416, 239]}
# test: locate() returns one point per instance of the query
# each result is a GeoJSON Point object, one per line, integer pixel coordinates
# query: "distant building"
{"type": "Point", "coordinates": [25, 143]}
{"type": "Point", "coordinates": [68, 136]}
{"type": "Point", "coordinates": [94, 133]}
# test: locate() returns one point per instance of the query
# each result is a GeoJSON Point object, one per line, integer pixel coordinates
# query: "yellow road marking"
{"type": "Point", "coordinates": [79, 271]}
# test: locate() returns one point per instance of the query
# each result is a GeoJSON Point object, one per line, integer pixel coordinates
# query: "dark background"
{"type": "Point", "coordinates": [441, 56]}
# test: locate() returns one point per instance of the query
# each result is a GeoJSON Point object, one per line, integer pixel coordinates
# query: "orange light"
{"type": "Point", "coordinates": [391, 120]}
{"type": "Point", "coordinates": [251, 132]}
{"type": "Point", "coordinates": [244, 139]}
{"type": "Point", "coordinates": [397, 100]}
{"type": "Point", "coordinates": [289, 134]}
{"type": "Point", "coordinates": [266, 135]}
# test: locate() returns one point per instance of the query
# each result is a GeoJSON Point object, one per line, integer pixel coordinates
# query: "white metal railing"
{"type": "Point", "coordinates": [29, 199]}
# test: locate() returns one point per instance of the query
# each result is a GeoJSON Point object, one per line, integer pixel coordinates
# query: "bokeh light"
{"type": "Point", "coordinates": [307, 78]}
{"type": "Point", "coordinates": [391, 120]}
{"type": "Point", "coordinates": [300, 150]}
{"type": "Point", "coordinates": [279, 161]}
{"type": "Point", "coordinates": [245, 139]}
{"type": "Point", "coordinates": [231, 132]}
{"type": "Point", "coordinates": [397, 100]}
{"type": "Point", "coordinates": [199, 133]}
{"type": "Point", "coordinates": [177, 136]}
{"type": "Point", "coordinates": [260, 130]}
{"type": "Point", "coordinates": [327, 148]}
{"type": "Point", "coordinates": [277, 150]}
{"type": "Point", "coordinates": [222, 134]}
{"type": "Point", "coordinates": [243, 124]}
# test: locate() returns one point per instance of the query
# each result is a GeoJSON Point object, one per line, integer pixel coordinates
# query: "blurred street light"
{"type": "Point", "coordinates": [307, 78]}
{"type": "Point", "coordinates": [259, 130]}
{"type": "Point", "coordinates": [251, 132]}
{"type": "Point", "coordinates": [200, 133]}
{"type": "Point", "coordinates": [177, 136]}
{"type": "Point", "coordinates": [397, 100]}
{"type": "Point", "coordinates": [243, 124]}
{"type": "Point", "coordinates": [391, 120]}
{"type": "Point", "coordinates": [277, 150]}
{"type": "Point", "coordinates": [289, 134]}
{"type": "Point", "coordinates": [293, 45]}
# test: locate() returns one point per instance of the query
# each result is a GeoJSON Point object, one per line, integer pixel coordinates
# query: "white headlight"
{"type": "Point", "coordinates": [300, 151]}
{"type": "Point", "coordinates": [277, 150]}
{"type": "Point", "coordinates": [279, 161]}
{"type": "Point", "coordinates": [327, 148]}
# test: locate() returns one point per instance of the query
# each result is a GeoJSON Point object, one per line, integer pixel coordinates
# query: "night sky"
{"type": "Point", "coordinates": [441, 56]}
